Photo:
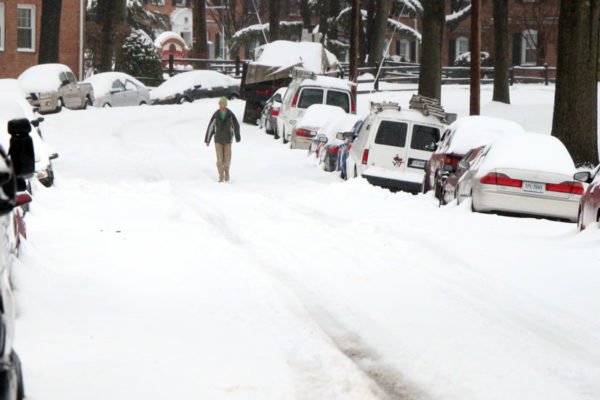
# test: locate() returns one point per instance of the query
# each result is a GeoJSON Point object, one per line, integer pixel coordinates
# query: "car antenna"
{"type": "Point", "coordinates": [387, 51]}
{"type": "Point", "coordinates": [262, 29]}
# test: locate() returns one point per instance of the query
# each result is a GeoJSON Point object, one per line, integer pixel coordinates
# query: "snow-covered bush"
{"type": "Point", "coordinates": [138, 56]}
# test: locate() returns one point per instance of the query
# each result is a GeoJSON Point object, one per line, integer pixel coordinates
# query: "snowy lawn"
{"type": "Point", "coordinates": [144, 278]}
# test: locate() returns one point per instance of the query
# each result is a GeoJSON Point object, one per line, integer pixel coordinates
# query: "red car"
{"type": "Point", "coordinates": [461, 136]}
{"type": "Point", "coordinates": [451, 178]}
{"type": "Point", "coordinates": [589, 206]}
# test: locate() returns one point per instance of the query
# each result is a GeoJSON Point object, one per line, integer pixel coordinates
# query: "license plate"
{"type": "Point", "coordinates": [534, 187]}
{"type": "Point", "coordinates": [414, 163]}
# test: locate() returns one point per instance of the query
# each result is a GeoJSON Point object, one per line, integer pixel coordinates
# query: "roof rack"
{"type": "Point", "coordinates": [427, 106]}
{"type": "Point", "coordinates": [385, 105]}
{"type": "Point", "coordinates": [302, 74]}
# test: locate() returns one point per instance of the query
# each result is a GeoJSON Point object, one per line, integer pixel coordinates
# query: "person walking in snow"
{"type": "Point", "coordinates": [223, 126]}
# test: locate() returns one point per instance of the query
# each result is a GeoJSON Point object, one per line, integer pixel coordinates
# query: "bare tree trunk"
{"type": "Point", "coordinates": [323, 16]}
{"type": "Point", "coordinates": [110, 14]}
{"type": "Point", "coordinates": [200, 49]}
{"type": "Point", "coordinates": [354, 35]}
{"type": "Point", "coordinates": [575, 120]}
{"type": "Point", "coordinates": [305, 14]}
{"type": "Point", "coordinates": [430, 77]}
{"type": "Point", "coordinates": [370, 33]}
{"type": "Point", "coordinates": [501, 52]}
{"type": "Point", "coordinates": [334, 9]}
{"type": "Point", "coordinates": [379, 31]}
{"type": "Point", "coordinates": [274, 20]}
{"type": "Point", "coordinates": [475, 81]}
{"type": "Point", "coordinates": [50, 31]}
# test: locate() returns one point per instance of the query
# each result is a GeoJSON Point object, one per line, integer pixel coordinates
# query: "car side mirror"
{"type": "Point", "coordinates": [36, 122]}
{"type": "Point", "coordinates": [322, 139]}
{"type": "Point", "coordinates": [464, 164]}
{"type": "Point", "coordinates": [21, 147]}
{"type": "Point", "coordinates": [584, 176]}
{"type": "Point", "coordinates": [65, 82]}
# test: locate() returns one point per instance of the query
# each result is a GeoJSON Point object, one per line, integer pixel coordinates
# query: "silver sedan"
{"type": "Point", "coordinates": [117, 89]}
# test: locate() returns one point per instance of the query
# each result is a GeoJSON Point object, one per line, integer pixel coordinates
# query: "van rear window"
{"type": "Point", "coordinates": [308, 97]}
{"type": "Point", "coordinates": [424, 137]}
{"type": "Point", "coordinates": [339, 99]}
{"type": "Point", "coordinates": [391, 133]}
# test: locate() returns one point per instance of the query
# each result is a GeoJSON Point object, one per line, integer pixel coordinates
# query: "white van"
{"type": "Point", "coordinates": [307, 89]}
{"type": "Point", "coordinates": [393, 146]}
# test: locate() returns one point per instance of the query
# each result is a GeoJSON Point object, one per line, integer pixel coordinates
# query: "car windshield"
{"type": "Point", "coordinates": [309, 96]}
{"type": "Point", "coordinates": [424, 137]}
{"type": "Point", "coordinates": [391, 133]}
{"type": "Point", "coordinates": [339, 99]}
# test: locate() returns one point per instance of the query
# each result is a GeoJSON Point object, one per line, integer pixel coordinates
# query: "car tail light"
{"type": "Point", "coordinates": [494, 178]}
{"type": "Point", "coordinates": [274, 113]}
{"type": "Point", "coordinates": [453, 159]}
{"type": "Point", "coordinates": [565, 187]}
{"type": "Point", "coordinates": [295, 101]}
{"type": "Point", "coordinates": [365, 156]}
{"type": "Point", "coordinates": [353, 107]}
{"type": "Point", "coordinates": [304, 132]}
{"type": "Point", "coordinates": [266, 92]}
{"type": "Point", "coordinates": [349, 146]}
{"type": "Point", "coordinates": [335, 150]}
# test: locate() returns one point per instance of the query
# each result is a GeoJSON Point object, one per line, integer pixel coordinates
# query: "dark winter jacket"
{"type": "Point", "coordinates": [223, 129]}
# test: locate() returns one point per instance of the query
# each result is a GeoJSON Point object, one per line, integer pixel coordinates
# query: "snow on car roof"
{"type": "Point", "coordinates": [475, 131]}
{"type": "Point", "coordinates": [285, 53]}
{"type": "Point", "coordinates": [529, 151]}
{"type": "Point", "coordinates": [102, 82]}
{"type": "Point", "coordinates": [327, 81]}
{"type": "Point", "coordinates": [339, 123]}
{"type": "Point", "coordinates": [407, 114]}
{"type": "Point", "coordinates": [42, 77]}
{"type": "Point", "coordinates": [187, 80]}
{"type": "Point", "coordinates": [320, 116]}
{"type": "Point", "coordinates": [13, 86]}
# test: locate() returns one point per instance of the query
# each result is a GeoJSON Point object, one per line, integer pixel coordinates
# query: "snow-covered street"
{"type": "Point", "coordinates": [144, 278]}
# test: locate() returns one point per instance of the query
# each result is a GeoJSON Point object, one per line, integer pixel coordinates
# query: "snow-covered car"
{"type": "Point", "coordinates": [10, 85]}
{"type": "Point", "coordinates": [315, 118]}
{"type": "Point", "coordinates": [116, 89]}
{"type": "Point", "coordinates": [589, 206]}
{"type": "Point", "coordinates": [52, 86]}
{"type": "Point", "coordinates": [193, 85]}
{"type": "Point", "coordinates": [330, 137]}
{"type": "Point", "coordinates": [348, 138]}
{"type": "Point", "coordinates": [270, 112]}
{"type": "Point", "coordinates": [450, 179]}
{"type": "Point", "coordinates": [461, 136]}
{"type": "Point", "coordinates": [307, 89]}
{"type": "Point", "coordinates": [529, 174]}
{"type": "Point", "coordinates": [13, 106]}
{"type": "Point", "coordinates": [393, 146]}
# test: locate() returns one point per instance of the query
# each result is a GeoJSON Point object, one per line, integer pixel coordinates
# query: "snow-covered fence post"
{"type": "Point", "coordinates": [546, 73]}
{"type": "Point", "coordinates": [237, 66]}
{"type": "Point", "coordinates": [171, 73]}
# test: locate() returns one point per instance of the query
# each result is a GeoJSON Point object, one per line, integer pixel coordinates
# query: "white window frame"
{"type": "Point", "coordinates": [459, 41]}
{"type": "Point", "coordinates": [33, 27]}
{"type": "Point", "coordinates": [528, 45]}
{"type": "Point", "coordinates": [2, 30]}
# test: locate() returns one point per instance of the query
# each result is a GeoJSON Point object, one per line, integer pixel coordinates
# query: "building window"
{"type": "Point", "coordinates": [25, 27]}
{"type": "Point", "coordinates": [157, 2]}
{"type": "Point", "coordinates": [529, 47]}
{"type": "Point", "coordinates": [462, 45]}
{"type": "Point", "coordinates": [404, 50]}
{"type": "Point", "coordinates": [1, 26]}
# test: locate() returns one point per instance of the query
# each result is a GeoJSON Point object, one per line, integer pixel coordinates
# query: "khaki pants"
{"type": "Point", "coordinates": [223, 160]}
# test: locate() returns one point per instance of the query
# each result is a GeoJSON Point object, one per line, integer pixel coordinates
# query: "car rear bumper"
{"type": "Point", "coordinates": [394, 184]}
{"type": "Point", "coordinates": [505, 202]}
{"type": "Point", "coordinates": [298, 142]}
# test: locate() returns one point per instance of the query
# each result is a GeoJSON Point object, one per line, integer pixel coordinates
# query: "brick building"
{"type": "Point", "coordinates": [20, 22]}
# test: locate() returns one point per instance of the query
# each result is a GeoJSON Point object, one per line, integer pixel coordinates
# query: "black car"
{"type": "Point", "coordinates": [192, 85]}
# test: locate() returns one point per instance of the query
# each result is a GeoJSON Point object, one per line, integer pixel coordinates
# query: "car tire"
{"type": "Point", "coordinates": [426, 187]}
{"type": "Point", "coordinates": [143, 103]}
{"type": "Point", "coordinates": [87, 103]}
{"type": "Point", "coordinates": [16, 361]}
{"type": "Point", "coordinates": [472, 202]}
{"type": "Point", "coordinates": [580, 226]}
{"type": "Point", "coordinates": [106, 105]}
{"type": "Point", "coordinates": [283, 137]}
{"type": "Point", "coordinates": [355, 172]}
{"type": "Point", "coordinates": [59, 105]}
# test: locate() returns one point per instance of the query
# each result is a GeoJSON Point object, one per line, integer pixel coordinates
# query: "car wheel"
{"type": "Point", "coordinates": [355, 172]}
{"type": "Point", "coordinates": [580, 226]}
{"type": "Point", "coordinates": [142, 103]}
{"type": "Point", "coordinates": [106, 105]}
{"type": "Point", "coordinates": [16, 361]}
{"type": "Point", "coordinates": [472, 202]}
{"type": "Point", "coordinates": [426, 187]}
{"type": "Point", "coordinates": [59, 105]}
{"type": "Point", "coordinates": [88, 103]}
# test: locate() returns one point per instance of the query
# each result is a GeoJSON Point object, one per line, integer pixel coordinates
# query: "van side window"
{"type": "Point", "coordinates": [309, 96]}
{"type": "Point", "coordinates": [391, 133]}
{"type": "Point", "coordinates": [339, 99]}
{"type": "Point", "coordinates": [424, 137]}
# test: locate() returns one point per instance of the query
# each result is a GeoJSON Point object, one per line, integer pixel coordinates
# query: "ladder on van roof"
{"type": "Point", "coordinates": [427, 106]}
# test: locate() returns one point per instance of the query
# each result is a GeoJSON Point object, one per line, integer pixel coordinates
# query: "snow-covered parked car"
{"type": "Point", "coordinates": [307, 89]}
{"type": "Point", "coordinates": [330, 137]}
{"type": "Point", "coordinates": [460, 137]}
{"type": "Point", "coordinates": [116, 89]}
{"type": "Point", "coordinates": [529, 174]}
{"type": "Point", "coordinates": [193, 85]}
{"type": "Point", "coordinates": [13, 106]}
{"type": "Point", "coordinates": [589, 206]}
{"type": "Point", "coordinates": [270, 112]}
{"type": "Point", "coordinates": [393, 146]}
{"type": "Point", "coordinates": [52, 86]}
{"type": "Point", "coordinates": [308, 125]}
{"type": "Point", "coordinates": [10, 85]}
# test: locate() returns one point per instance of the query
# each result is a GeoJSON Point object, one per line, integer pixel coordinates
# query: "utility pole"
{"type": "Point", "coordinates": [475, 100]}
{"type": "Point", "coordinates": [354, 36]}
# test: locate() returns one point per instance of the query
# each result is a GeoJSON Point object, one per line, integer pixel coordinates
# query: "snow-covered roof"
{"type": "Point", "coordinates": [285, 53]}
{"type": "Point", "coordinates": [164, 36]}
{"type": "Point", "coordinates": [475, 131]}
{"type": "Point", "coordinates": [42, 77]}
{"type": "Point", "coordinates": [530, 151]}
{"type": "Point", "coordinates": [102, 82]}
{"type": "Point", "coordinates": [187, 80]}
